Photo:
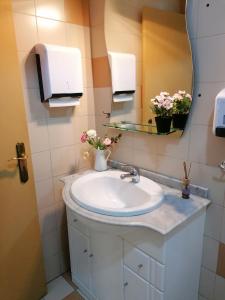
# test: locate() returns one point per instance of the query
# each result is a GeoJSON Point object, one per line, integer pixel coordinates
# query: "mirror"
{"type": "Point", "coordinates": [155, 32]}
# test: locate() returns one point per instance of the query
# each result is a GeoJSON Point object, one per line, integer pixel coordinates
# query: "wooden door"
{"type": "Point", "coordinates": [21, 262]}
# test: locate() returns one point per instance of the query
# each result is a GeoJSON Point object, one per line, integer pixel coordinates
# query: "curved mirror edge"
{"type": "Point", "coordinates": [117, 41]}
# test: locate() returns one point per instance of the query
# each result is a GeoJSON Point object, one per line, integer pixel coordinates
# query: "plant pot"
{"type": "Point", "coordinates": [163, 124]}
{"type": "Point", "coordinates": [179, 121]}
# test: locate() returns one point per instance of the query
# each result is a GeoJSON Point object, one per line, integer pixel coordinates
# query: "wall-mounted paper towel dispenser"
{"type": "Point", "coordinates": [60, 74]}
{"type": "Point", "coordinates": [219, 115]}
{"type": "Point", "coordinates": [123, 73]}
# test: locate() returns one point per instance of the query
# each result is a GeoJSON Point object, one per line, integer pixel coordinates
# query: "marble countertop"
{"type": "Point", "coordinates": [173, 211]}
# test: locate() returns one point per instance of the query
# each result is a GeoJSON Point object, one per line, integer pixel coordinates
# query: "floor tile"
{"type": "Point", "coordinates": [74, 296]}
{"type": "Point", "coordinates": [58, 289]}
{"type": "Point", "coordinates": [67, 277]}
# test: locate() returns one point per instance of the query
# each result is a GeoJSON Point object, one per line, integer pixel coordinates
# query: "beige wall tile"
{"type": "Point", "coordinates": [79, 36]}
{"type": "Point", "coordinates": [211, 18]}
{"type": "Point", "coordinates": [42, 165]}
{"type": "Point", "coordinates": [86, 107]}
{"type": "Point", "coordinates": [52, 267]}
{"type": "Point", "coordinates": [210, 254]}
{"type": "Point", "coordinates": [35, 109]}
{"type": "Point", "coordinates": [24, 6]}
{"type": "Point", "coordinates": [25, 39]}
{"type": "Point", "coordinates": [212, 178]}
{"type": "Point", "coordinates": [219, 290]}
{"type": "Point", "coordinates": [206, 285]}
{"type": "Point", "coordinates": [44, 193]}
{"type": "Point", "coordinates": [98, 45]}
{"type": "Point", "coordinates": [97, 9]}
{"type": "Point", "coordinates": [51, 31]}
{"type": "Point", "coordinates": [101, 72]}
{"type": "Point", "coordinates": [103, 100]}
{"type": "Point", "coordinates": [77, 12]}
{"type": "Point", "coordinates": [47, 218]}
{"type": "Point", "coordinates": [50, 9]}
{"type": "Point", "coordinates": [213, 224]}
{"type": "Point", "coordinates": [28, 70]}
{"type": "Point", "coordinates": [38, 135]}
{"type": "Point", "coordinates": [174, 146]}
{"type": "Point", "coordinates": [203, 151]}
{"type": "Point", "coordinates": [87, 73]}
{"type": "Point", "coordinates": [203, 106]}
{"type": "Point", "coordinates": [58, 187]}
{"type": "Point", "coordinates": [63, 160]}
{"type": "Point", "coordinates": [208, 69]}
{"type": "Point", "coordinates": [192, 17]}
{"type": "Point", "coordinates": [61, 132]}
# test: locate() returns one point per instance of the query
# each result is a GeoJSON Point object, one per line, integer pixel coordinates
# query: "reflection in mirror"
{"type": "Point", "coordinates": [155, 32]}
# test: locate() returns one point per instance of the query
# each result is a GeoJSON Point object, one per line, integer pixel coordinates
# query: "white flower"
{"type": "Point", "coordinates": [181, 92]}
{"type": "Point", "coordinates": [189, 96]}
{"type": "Point", "coordinates": [91, 133]}
{"type": "Point", "coordinates": [164, 94]}
{"type": "Point", "coordinates": [178, 96]}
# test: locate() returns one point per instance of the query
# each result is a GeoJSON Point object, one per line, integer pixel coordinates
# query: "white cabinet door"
{"type": "Point", "coordinates": [107, 266]}
{"type": "Point", "coordinates": [79, 256]}
{"type": "Point", "coordinates": [134, 286]}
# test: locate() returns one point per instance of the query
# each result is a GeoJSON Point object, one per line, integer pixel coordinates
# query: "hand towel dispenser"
{"type": "Point", "coordinates": [60, 74]}
{"type": "Point", "coordinates": [123, 72]}
{"type": "Point", "coordinates": [219, 115]}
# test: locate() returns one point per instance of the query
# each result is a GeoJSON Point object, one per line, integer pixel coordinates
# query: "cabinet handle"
{"type": "Point", "coordinates": [85, 251]}
{"type": "Point", "coordinates": [75, 220]}
{"type": "Point", "coordinates": [91, 255]}
{"type": "Point", "coordinates": [125, 284]}
{"type": "Point", "coordinates": [140, 266]}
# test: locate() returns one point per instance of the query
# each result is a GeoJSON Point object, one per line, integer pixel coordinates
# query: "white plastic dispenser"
{"type": "Point", "coordinates": [219, 115]}
{"type": "Point", "coordinates": [123, 73]}
{"type": "Point", "coordinates": [60, 74]}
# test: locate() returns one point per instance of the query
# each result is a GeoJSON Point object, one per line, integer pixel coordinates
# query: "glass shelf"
{"type": "Point", "coordinates": [144, 128]}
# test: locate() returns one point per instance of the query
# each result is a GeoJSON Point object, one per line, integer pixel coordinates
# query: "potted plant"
{"type": "Point", "coordinates": [101, 145]}
{"type": "Point", "coordinates": [163, 108]}
{"type": "Point", "coordinates": [182, 103]}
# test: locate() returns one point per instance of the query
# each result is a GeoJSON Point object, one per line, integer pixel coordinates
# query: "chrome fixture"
{"type": "Point", "coordinates": [222, 165]}
{"type": "Point", "coordinates": [133, 172]}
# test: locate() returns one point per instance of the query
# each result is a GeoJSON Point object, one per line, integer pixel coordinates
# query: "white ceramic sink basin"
{"type": "Point", "coordinates": [106, 193]}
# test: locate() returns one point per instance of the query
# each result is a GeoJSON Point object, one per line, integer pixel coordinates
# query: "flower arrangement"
{"type": "Point", "coordinates": [99, 143]}
{"type": "Point", "coordinates": [163, 105]}
{"type": "Point", "coordinates": [181, 102]}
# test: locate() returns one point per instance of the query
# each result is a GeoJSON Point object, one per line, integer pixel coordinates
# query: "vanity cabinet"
{"type": "Point", "coordinates": [138, 263]}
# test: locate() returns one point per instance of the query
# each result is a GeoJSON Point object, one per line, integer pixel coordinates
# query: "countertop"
{"type": "Point", "coordinates": [173, 211]}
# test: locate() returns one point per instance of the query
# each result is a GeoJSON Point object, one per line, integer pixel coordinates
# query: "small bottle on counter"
{"type": "Point", "coordinates": [186, 182]}
{"type": "Point", "coordinates": [186, 188]}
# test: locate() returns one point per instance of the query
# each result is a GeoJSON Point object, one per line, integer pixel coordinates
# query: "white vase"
{"type": "Point", "coordinates": [101, 157]}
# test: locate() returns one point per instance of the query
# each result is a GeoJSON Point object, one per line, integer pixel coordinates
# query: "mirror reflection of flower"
{"type": "Point", "coordinates": [99, 143]}
{"type": "Point", "coordinates": [182, 102]}
{"type": "Point", "coordinates": [163, 104]}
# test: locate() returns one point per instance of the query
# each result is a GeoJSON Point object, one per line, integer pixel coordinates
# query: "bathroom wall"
{"type": "Point", "coordinates": [197, 145]}
{"type": "Point", "coordinates": [54, 133]}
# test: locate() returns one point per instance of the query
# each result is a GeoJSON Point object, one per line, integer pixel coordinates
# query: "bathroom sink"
{"type": "Point", "coordinates": [106, 193]}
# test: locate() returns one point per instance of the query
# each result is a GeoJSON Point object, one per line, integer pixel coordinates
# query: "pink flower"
{"type": "Point", "coordinates": [84, 137]}
{"type": "Point", "coordinates": [107, 142]}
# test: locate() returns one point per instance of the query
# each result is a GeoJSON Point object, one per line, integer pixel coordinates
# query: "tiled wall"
{"type": "Point", "coordinates": [54, 133]}
{"type": "Point", "coordinates": [197, 145]}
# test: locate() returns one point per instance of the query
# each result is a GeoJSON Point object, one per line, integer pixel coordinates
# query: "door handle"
{"type": "Point", "coordinates": [18, 158]}
{"type": "Point", "coordinates": [22, 161]}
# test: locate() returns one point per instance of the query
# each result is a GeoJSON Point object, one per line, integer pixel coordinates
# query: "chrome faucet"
{"type": "Point", "coordinates": [133, 172]}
